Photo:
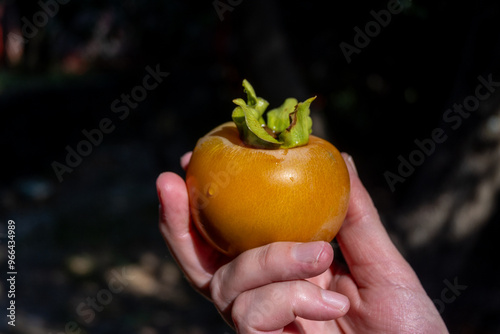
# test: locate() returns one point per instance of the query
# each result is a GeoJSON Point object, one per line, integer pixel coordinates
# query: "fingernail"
{"type": "Point", "coordinates": [309, 252]}
{"type": "Point", "coordinates": [184, 160]}
{"type": "Point", "coordinates": [350, 162]}
{"type": "Point", "coordinates": [335, 300]}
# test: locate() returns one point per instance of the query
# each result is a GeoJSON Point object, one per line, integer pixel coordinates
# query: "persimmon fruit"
{"type": "Point", "coordinates": [248, 188]}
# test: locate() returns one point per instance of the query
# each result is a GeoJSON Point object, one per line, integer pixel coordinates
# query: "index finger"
{"type": "Point", "coordinates": [196, 258]}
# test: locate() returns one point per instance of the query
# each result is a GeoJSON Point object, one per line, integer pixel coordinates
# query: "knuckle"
{"type": "Point", "coordinates": [247, 314]}
{"type": "Point", "coordinates": [238, 312]}
{"type": "Point", "coordinates": [299, 291]}
{"type": "Point", "coordinates": [266, 257]}
{"type": "Point", "coordinates": [217, 289]}
{"type": "Point", "coordinates": [276, 260]}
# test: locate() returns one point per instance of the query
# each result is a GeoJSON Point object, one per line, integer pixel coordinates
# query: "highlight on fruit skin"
{"type": "Point", "coordinates": [265, 178]}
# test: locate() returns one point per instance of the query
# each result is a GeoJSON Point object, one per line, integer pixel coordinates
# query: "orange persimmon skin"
{"type": "Point", "coordinates": [242, 197]}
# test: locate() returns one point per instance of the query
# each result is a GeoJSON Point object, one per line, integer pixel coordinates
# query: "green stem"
{"type": "Point", "coordinates": [287, 126]}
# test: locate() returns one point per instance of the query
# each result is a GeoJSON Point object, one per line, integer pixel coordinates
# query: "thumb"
{"type": "Point", "coordinates": [368, 250]}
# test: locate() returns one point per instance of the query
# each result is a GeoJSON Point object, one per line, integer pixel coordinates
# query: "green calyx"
{"type": "Point", "coordinates": [287, 126]}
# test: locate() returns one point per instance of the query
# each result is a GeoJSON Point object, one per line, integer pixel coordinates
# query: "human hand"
{"type": "Point", "coordinates": [289, 287]}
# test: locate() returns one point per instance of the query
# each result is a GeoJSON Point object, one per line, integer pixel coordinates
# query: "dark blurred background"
{"type": "Point", "coordinates": [89, 255]}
